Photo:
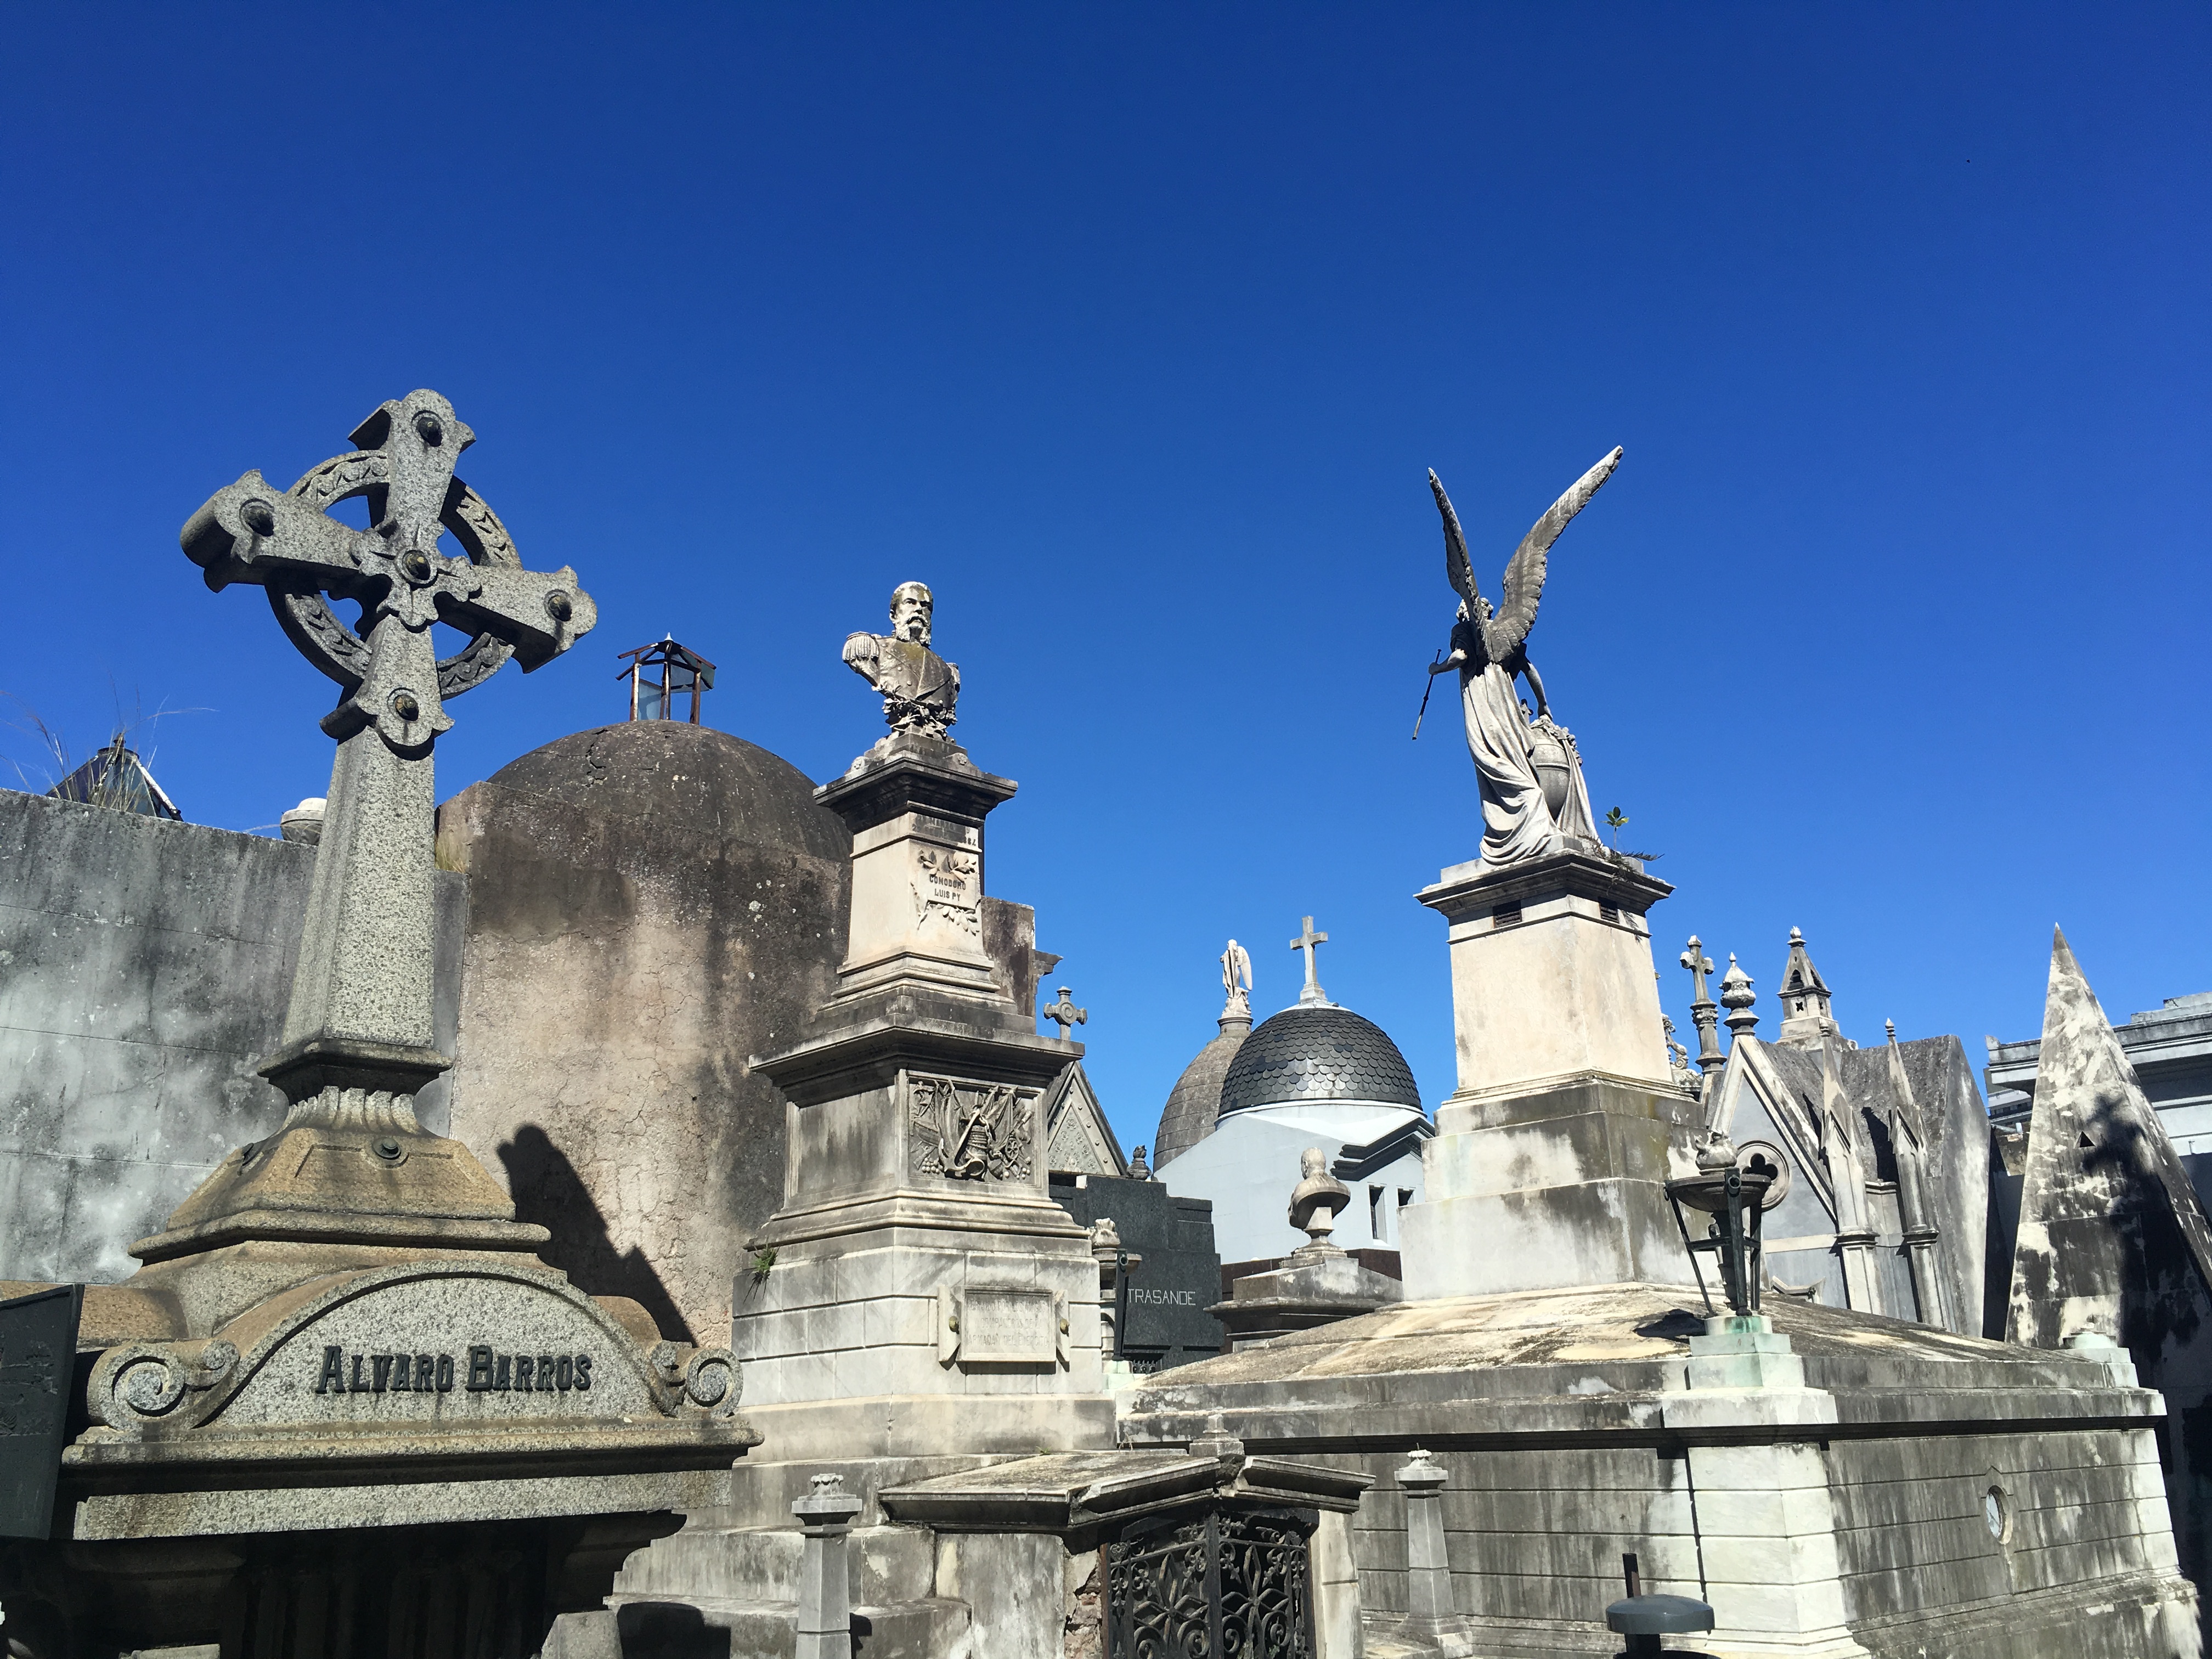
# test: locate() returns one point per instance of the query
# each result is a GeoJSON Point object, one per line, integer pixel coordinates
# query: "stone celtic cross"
{"type": "Point", "coordinates": [360, 1014]}
{"type": "Point", "coordinates": [1066, 1015]}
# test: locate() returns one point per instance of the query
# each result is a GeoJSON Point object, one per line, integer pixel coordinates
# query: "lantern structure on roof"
{"type": "Point", "coordinates": [661, 675]}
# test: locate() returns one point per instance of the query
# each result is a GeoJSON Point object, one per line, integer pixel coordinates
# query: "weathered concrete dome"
{"type": "Point", "coordinates": [690, 777]}
{"type": "Point", "coordinates": [649, 905]}
{"type": "Point", "coordinates": [1195, 1101]}
{"type": "Point", "coordinates": [1316, 1051]}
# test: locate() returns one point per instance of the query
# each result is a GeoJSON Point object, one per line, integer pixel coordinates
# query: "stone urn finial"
{"type": "Point", "coordinates": [1737, 996]}
{"type": "Point", "coordinates": [1316, 1203]}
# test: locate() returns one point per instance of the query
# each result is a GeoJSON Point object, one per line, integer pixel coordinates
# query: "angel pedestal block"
{"type": "Point", "coordinates": [918, 1260]}
{"type": "Point", "coordinates": [1549, 1165]}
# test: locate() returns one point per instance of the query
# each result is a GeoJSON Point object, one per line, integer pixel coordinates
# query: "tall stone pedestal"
{"type": "Point", "coordinates": [1553, 1150]}
{"type": "Point", "coordinates": [918, 1266]}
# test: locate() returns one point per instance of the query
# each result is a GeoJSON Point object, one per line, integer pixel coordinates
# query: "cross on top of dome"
{"type": "Point", "coordinates": [1307, 941]}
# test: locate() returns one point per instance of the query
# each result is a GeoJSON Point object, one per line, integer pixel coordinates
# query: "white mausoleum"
{"type": "Point", "coordinates": [1314, 1075]}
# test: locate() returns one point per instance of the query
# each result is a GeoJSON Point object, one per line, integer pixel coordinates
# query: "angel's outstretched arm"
{"type": "Point", "coordinates": [1536, 686]}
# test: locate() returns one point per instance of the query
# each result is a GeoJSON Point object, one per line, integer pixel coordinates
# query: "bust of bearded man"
{"type": "Point", "coordinates": [919, 687]}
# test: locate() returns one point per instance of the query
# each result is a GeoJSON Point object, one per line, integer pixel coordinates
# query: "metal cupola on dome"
{"type": "Point", "coordinates": [661, 672]}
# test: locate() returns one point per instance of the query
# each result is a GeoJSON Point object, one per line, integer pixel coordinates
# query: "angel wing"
{"type": "Point", "coordinates": [1524, 572]}
{"type": "Point", "coordinates": [1458, 570]}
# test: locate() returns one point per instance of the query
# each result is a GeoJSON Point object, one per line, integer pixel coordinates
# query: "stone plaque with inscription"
{"type": "Point", "coordinates": [1004, 1325]}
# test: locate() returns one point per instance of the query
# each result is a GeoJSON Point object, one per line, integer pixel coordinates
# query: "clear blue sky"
{"type": "Point", "coordinates": [1131, 330]}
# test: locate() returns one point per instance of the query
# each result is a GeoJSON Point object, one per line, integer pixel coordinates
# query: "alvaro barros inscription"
{"type": "Point", "coordinates": [487, 1372]}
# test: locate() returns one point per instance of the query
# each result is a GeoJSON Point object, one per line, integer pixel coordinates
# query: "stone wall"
{"type": "Point", "coordinates": [1534, 1541]}
{"type": "Point", "coordinates": [651, 905]}
{"type": "Point", "coordinates": [1911, 1516]}
{"type": "Point", "coordinates": [144, 969]}
{"type": "Point", "coordinates": [1532, 1535]}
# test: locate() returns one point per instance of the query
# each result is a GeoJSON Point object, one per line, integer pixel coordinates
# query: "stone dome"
{"type": "Point", "coordinates": [1316, 1051]}
{"type": "Point", "coordinates": [648, 904]}
{"type": "Point", "coordinates": [1195, 1101]}
{"type": "Point", "coordinates": [690, 777]}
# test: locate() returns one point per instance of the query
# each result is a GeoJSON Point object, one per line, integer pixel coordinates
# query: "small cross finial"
{"type": "Point", "coordinates": [1066, 1014]}
{"type": "Point", "coordinates": [1306, 940]}
{"type": "Point", "coordinates": [1699, 964]}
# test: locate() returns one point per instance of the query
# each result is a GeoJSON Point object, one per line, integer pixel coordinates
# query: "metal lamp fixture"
{"type": "Point", "coordinates": [1731, 1201]}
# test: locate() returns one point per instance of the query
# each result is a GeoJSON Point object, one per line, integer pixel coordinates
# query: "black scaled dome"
{"type": "Point", "coordinates": [1317, 1051]}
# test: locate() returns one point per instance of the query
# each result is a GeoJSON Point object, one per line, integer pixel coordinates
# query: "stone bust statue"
{"type": "Point", "coordinates": [919, 687]}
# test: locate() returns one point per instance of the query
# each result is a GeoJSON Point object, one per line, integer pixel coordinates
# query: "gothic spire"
{"type": "Point", "coordinates": [1806, 1021]}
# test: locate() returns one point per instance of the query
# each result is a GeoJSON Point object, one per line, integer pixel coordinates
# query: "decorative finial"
{"type": "Point", "coordinates": [1422, 1477]}
{"type": "Point", "coordinates": [1737, 996]}
{"type": "Point", "coordinates": [1138, 1169]}
{"type": "Point", "coordinates": [1316, 1203]}
{"type": "Point", "coordinates": [1306, 940]}
{"type": "Point", "coordinates": [1889, 1029]}
{"type": "Point", "coordinates": [1064, 1014]}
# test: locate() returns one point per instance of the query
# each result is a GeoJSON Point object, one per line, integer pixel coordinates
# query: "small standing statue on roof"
{"type": "Point", "coordinates": [919, 687]}
{"type": "Point", "coordinates": [1237, 981]}
{"type": "Point", "coordinates": [1534, 801]}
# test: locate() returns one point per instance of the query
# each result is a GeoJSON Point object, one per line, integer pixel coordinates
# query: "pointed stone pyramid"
{"type": "Point", "coordinates": [2112, 1239]}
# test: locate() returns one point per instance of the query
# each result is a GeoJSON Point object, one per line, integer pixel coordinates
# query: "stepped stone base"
{"type": "Point", "coordinates": [1565, 1184]}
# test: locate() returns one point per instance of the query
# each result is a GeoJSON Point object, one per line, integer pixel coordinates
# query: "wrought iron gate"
{"type": "Point", "coordinates": [1226, 1585]}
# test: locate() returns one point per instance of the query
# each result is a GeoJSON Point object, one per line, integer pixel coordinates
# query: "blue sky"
{"type": "Point", "coordinates": [1133, 331]}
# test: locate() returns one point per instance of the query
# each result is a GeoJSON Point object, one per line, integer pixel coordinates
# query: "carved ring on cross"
{"type": "Point", "coordinates": [306, 618]}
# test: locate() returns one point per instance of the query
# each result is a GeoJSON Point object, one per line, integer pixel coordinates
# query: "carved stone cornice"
{"type": "Point", "coordinates": [1472, 889]}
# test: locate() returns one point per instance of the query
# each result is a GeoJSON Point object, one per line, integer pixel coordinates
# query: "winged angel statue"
{"type": "Point", "coordinates": [1534, 801]}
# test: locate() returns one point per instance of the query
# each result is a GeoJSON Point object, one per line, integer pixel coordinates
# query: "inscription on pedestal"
{"type": "Point", "coordinates": [948, 887]}
{"type": "Point", "coordinates": [969, 1131]}
{"type": "Point", "coordinates": [1002, 1325]}
{"type": "Point", "coordinates": [1013, 1326]}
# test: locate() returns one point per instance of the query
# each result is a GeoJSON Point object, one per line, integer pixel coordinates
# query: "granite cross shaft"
{"type": "Point", "coordinates": [1306, 940]}
{"type": "Point", "coordinates": [360, 1014]}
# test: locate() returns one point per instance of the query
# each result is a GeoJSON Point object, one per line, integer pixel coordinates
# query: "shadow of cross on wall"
{"type": "Point", "coordinates": [548, 1191]}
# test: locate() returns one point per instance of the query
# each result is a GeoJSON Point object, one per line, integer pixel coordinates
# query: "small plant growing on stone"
{"type": "Point", "coordinates": [762, 1261]}
{"type": "Point", "coordinates": [1616, 820]}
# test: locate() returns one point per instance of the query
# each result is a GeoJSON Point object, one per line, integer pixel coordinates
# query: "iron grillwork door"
{"type": "Point", "coordinates": [1224, 1586]}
